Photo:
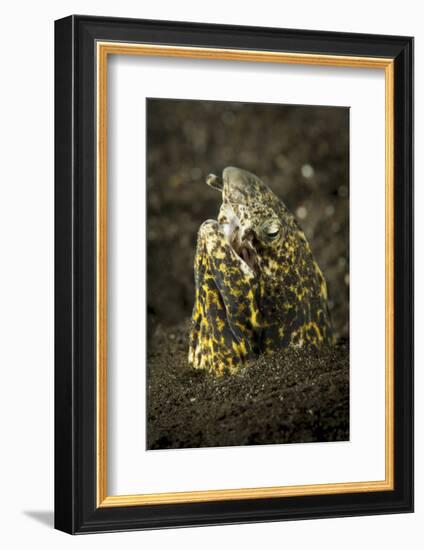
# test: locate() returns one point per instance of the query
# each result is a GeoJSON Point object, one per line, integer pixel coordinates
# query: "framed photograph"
{"type": "Point", "coordinates": [234, 274]}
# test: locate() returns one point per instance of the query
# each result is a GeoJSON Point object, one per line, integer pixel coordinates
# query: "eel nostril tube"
{"type": "Point", "coordinates": [214, 181]}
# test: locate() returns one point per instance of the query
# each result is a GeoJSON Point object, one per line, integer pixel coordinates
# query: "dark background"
{"type": "Point", "coordinates": [302, 153]}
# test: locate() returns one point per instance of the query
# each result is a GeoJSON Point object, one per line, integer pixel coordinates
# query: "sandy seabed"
{"type": "Point", "coordinates": [293, 396]}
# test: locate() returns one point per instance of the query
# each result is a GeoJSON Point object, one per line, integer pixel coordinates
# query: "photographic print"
{"type": "Point", "coordinates": [248, 273]}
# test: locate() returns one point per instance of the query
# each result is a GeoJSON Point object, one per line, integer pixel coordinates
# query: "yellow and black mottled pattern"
{"type": "Point", "coordinates": [258, 287]}
{"type": "Point", "coordinates": [225, 323]}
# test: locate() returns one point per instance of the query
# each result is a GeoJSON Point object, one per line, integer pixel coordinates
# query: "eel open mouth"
{"type": "Point", "coordinates": [241, 241]}
{"type": "Point", "coordinates": [247, 252]}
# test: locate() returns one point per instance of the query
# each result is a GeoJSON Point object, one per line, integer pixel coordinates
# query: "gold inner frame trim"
{"type": "Point", "coordinates": [103, 50]}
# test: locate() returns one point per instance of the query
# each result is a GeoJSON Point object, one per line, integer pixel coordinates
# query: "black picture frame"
{"type": "Point", "coordinates": [76, 509]}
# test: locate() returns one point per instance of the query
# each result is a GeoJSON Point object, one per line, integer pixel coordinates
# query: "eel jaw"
{"type": "Point", "coordinates": [244, 248]}
{"type": "Point", "coordinates": [240, 239]}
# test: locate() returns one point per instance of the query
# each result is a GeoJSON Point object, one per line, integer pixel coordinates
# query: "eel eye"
{"type": "Point", "coordinates": [271, 230]}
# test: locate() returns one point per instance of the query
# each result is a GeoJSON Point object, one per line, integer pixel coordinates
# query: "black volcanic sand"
{"type": "Point", "coordinates": [302, 153]}
{"type": "Point", "coordinates": [289, 397]}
